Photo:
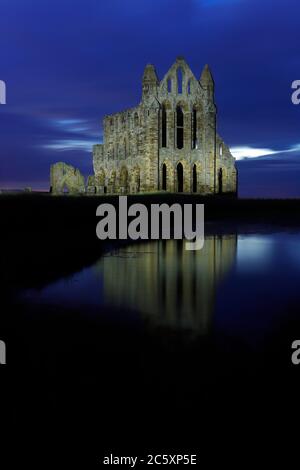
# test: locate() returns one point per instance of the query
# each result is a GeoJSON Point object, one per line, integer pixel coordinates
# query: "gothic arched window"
{"type": "Point", "coordinates": [179, 80]}
{"type": "Point", "coordinates": [180, 177]}
{"type": "Point", "coordinates": [164, 177]}
{"type": "Point", "coordinates": [163, 126]}
{"type": "Point", "coordinates": [179, 127]}
{"type": "Point", "coordinates": [220, 180]}
{"type": "Point", "coordinates": [194, 129]}
{"type": "Point", "coordinates": [194, 179]}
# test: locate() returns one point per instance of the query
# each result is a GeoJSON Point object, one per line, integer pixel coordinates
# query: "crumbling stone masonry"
{"type": "Point", "coordinates": [168, 142]}
{"type": "Point", "coordinates": [65, 178]}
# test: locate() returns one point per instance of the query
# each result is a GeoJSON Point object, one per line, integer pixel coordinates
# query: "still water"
{"type": "Point", "coordinates": [239, 284]}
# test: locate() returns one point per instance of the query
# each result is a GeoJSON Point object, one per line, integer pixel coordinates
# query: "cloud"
{"type": "Point", "coordinates": [240, 153]}
{"type": "Point", "coordinates": [71, 125]}
{"type": "Point", "coordinates": [246, 152]}
{"type": "Point", "coordinates": [71, 144]}
{"type": "Point", "coordinates": [76, 134]}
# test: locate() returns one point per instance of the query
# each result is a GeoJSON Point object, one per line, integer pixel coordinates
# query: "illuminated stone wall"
{"type": "Point", "coordinates": [66, 179]}
{"type": "Point", "coordinates": [168, 142]}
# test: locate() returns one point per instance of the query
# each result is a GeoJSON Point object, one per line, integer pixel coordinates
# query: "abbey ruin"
{"type": "Point", "coordinates": [168, 142]}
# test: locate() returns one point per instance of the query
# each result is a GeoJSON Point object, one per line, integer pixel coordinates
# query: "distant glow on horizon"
{"type": "Point", "coordinates": [240, 153]}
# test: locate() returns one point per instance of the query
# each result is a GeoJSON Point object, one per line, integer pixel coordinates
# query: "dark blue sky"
{"type": "Point", "coordinates": [66, 63]}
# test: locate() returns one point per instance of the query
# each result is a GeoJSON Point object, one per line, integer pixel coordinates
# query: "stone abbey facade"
{"type": "Point", "coordinates": [168, 142]}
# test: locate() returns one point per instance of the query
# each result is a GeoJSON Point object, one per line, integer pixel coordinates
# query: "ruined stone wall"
{"type": "Point", "coordinates": [66, 179]}
{"type": "Point", "coordinates": [199, 130]}
{"type": "Point", "coordinates": [226, 181]}
{"type": "Point", "coordinates": [142, 150]}
{"type": "Point", "coordinates": [119, 161]}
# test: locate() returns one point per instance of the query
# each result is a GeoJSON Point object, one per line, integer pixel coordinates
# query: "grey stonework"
{"type": "Point", "coordinates": [168, 142]}
{"type": "Point", "coordinates": [140, 151]}
{"type": "Point", "coordinates": [66, 178]}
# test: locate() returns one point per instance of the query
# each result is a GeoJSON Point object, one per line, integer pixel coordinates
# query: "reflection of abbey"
{"type": "Point", "coordinates": [168, 142]}
{"type": "Point", "coordinates": [167, 284]}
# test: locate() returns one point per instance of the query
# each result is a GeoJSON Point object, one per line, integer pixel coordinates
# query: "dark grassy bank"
{"type": "Point", "coordinates": [43, 236]}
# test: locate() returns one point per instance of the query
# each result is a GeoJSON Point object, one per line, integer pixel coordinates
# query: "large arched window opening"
{"type": "Point", "coordinates": [220, 180]}
{"type": "Point", "coordinates": [124, 179]}
{"type": "Point", "coordinates": [164, 127]}
{"type": "Point", "coordinates": [164, 177]}
{"type": "Point", "coordinates": [180, 178]}
{"type": "Point", "coordinates": [179, 80]}
{"type": "Point", "coordinates": [179, 127]}
{"type": "Point", "coordinates": [194, 179]}
{"type": "Point", "coordinates": [194, 129]}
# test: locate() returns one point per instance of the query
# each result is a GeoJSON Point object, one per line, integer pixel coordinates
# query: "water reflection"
{"type": "Point", "coordinates": [166, 283]}
{"type": "Point", "coordinates": [238, 284]}
{"type": "Point", "coordinates": [255, 251]}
